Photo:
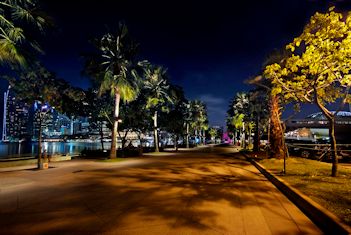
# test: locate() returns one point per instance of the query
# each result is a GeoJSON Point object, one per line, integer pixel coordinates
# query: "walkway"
{"type": "Point", "coordinates": [211, 191]}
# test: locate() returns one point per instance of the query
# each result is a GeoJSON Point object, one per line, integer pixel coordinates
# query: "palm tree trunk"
{"type": "Point", "coordinates": [101, 136]}
{"type": "Point", "coordinates": [40, 158]}
{"type": "Point", "coordinates": [243, 137]}
{"type": "Point", "coordinates": [257, 137]}
{"type": "Point", "coordinates": [155, 133]}
{"type": "Point", "coordinates": [250, 137]}
{"type": "Point", "coordinates": [187, 135]}
{"type": "Point", "coordinates": [196, 136]}
{"type": "Point", "coordinates": [176, 142]}
{"type": "Point", "coordinates": [113, 153]}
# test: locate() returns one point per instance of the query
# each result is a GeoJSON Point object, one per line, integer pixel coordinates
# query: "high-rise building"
{"type": "Point", "coordinates": [4, 129]}
{"type": "Point", "coordinates": [15, 118]}
{"type": "Point", "coordinates": [23, 121]}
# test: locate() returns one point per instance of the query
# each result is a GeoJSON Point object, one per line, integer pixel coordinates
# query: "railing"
{"type": "Point", "coordinates": [319, 151]}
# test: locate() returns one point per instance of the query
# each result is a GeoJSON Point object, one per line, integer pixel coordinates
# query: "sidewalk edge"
{"type": "Point", "coordinates": [324, 219]}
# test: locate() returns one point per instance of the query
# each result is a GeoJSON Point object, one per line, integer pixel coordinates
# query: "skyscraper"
{"type": "Point", "coordinates": [15, 118]}
{"type": "Point", "coordinates": [4, 129]}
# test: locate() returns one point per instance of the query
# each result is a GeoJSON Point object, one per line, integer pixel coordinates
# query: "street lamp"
{"type": "Point", "coordinates": [44, 109]}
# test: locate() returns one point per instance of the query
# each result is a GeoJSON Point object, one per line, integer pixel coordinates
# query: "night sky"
{"type": "Point", "coordinates": [209, 48]}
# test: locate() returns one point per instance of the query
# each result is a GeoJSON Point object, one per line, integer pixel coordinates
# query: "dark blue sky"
{"type": "Point", "coordinates": [209, 48]}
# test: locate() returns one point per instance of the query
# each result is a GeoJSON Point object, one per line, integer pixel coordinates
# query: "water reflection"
{"type": "Point", "coordinates": [8, 150]}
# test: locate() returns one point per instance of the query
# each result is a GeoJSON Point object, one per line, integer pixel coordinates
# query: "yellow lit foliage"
{"type": "Point", "coordinates": [318, 68]}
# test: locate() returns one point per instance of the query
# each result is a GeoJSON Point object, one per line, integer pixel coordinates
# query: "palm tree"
{"type": "Point", "coordinates": [120, 78]}
{"type": "Point", "coordinates": [213, 132]}
{"type": "Point", "coordinates": [188, 117]}
{"type": "Point", "coordinates": [199, 118]}
{"type": "Point", "coordinates": [237, 121]}
{"type": "Point", "coordinates": [15, 41]}
{"type": "Point", "coordinates": [158, 91]}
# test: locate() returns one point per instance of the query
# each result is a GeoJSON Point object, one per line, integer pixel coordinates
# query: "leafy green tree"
{"type": "Point", "coordinates": [117, 72]}
{"type": "Point", "coordinates": [258, 111]}
{"type": "Point", "coordinates": [237, 121]}
{"type": "Point", "coordinates": [18, 20]}
{"type": "Point", "coordinates": [158, 95]}
{"type": "Point", "coordinates": [174, 121]}
{"type": "Point", "coordinates": [99, 111]}
{"type": "Point", "coordinates": [275, 105]}
{"type": "Point", "coordinates": [135, 117]}
{"type": "Point", "coordinates": [318, 69]}
{"type": "Point", "coordinates": [41, 86]}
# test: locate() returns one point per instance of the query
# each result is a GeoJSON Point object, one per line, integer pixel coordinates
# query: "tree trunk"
{"type": "Point", "coordinates": [334, 155]}
{"type": "Point", "coordinates": [234, 141]}
{"type": "Point", "coordinates": [113, 153]}
{"type": "Point", "coordinates": [102, 137]}
{"type": "Point", "coordinates": [195, 133]}
{"type": "Point", "coordinates": [243, 137]}
{"type": "Point", "coordinates": [187, 135]}
{"type": "Point", "coordinates": [40, 159]}
{"type": "Point", "coordinates": [331, 118]}
{"type": "Point", "coordinates": [156, 133]}
{"type": "Point", "coordinates": [276, 133]}
{"type": "Point", "coordinates": [176, 143]}
{"type": "Point", "coordinates": [257, 137]}
{"type": "Point", "coordinates": [250, 137]}
{"type": "Point", "coordinates": [204, 137]}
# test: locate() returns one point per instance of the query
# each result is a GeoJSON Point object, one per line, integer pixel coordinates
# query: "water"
{"type": "Point", "coordinates": [11, 150]}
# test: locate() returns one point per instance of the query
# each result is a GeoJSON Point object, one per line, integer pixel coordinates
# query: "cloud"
{"type": "Point", "coordinates": [211, 100]}
{"type": "Point", "coordinates": [216, 108]}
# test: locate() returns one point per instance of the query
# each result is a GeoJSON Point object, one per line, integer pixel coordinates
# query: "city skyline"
{"type": "Point", "coordinates": [209, 50]}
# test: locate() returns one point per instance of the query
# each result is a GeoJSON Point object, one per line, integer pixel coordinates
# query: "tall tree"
{"type": "Point", "coordinates": [258, 109]}
{"type": "Point", "coordinates": [188, 118]}
{"type": "Point", "coordinates": [239, 105]}
{"type": "Point", "coordinates": [135, 117]}
{"type": "Point", "coordinates": [116, 70]}
{"type": "Point", "coordinates": [174, 121]}
{"type": "Point", "coordinates": [158, 95]}
{"type": "Point", "coordinates": [98, 109]}
{"type": "Point", "coordinates": [318, 69]}
{"type": "Point", "coordinates": [276, 128]}
{"type": "Point", "coordinates": [199, 122]}
{"type": "Point", "coordinates": [237, 121]}
{"type": "Point", "coordinates": [42, 87]}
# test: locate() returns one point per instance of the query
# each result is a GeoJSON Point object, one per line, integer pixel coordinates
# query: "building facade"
{"type": "Point", "coordinates": [15, 118]}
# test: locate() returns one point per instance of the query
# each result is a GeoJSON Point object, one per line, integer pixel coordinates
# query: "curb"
{"type": "Point", "coordinates": [324, 219]}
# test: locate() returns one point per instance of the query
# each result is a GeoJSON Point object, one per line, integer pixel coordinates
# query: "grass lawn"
{"type": "Point", "coordinates": [111, 160]}
{"type": "Point", "coordinates": [313, 179]}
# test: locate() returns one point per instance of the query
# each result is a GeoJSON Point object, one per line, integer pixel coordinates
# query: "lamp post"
{"type": "Point", "coordinates": [44, 109]}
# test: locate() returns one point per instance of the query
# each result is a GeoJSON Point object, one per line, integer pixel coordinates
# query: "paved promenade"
{"type": "Point", "coordinates": [208, 191]}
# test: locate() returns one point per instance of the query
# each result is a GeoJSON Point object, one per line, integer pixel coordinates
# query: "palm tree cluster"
{"type": "Point", "coordinates": [131, 94]}
{"type": "Point", "coordinates": [247, 113]}
{"type": "Point", "coordinates": [145, 92]}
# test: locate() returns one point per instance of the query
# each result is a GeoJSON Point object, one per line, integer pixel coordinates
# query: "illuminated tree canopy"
{"type": "Point", "coordinates": [317, 69]}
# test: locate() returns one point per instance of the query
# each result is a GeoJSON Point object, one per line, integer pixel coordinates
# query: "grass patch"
{"type": "Point", "coordinates": [111, 160]}
{"type": "Point", "coordinates": [18, 163]}
{"type": "Point", "coordinates": [313, 179]}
